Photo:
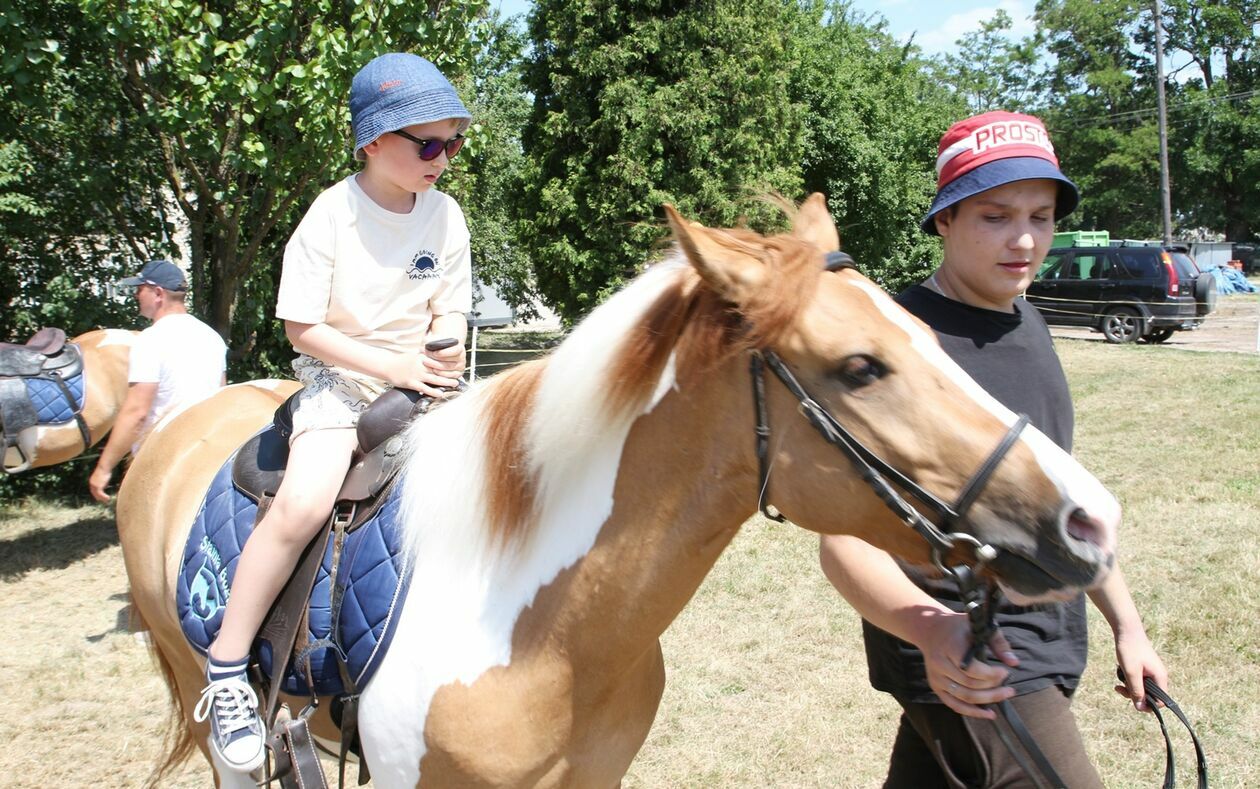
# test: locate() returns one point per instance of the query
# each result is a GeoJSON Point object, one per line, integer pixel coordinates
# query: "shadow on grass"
{"type": "Point", "coordinates": [122, 620]}
{"type": "Point", "coordinates": [55, 549]}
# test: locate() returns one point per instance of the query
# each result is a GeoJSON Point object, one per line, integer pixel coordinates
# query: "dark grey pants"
{"type": "Point", "coordinates": [936, 748]}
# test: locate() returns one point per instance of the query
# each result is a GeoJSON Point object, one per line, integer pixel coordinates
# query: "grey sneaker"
{"type": "Point", "coordinates": [236, 731]}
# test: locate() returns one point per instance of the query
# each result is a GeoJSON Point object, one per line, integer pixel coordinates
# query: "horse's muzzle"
{"type": "Point", "coordinates": [1070, 555]}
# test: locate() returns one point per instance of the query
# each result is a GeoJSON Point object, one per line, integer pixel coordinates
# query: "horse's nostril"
{"type": "Point", "coordinates": [1084, 528]}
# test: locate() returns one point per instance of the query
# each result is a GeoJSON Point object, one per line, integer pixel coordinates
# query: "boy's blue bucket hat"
{"type": "Point", "coordinates": [397, 90]}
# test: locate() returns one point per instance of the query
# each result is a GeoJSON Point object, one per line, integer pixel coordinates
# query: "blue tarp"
{"type": "Point", "coordinates": [1231, 280]}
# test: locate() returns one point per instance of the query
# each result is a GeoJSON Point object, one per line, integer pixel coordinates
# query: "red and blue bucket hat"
{"type": "Point", "coordinates": [990, 150]}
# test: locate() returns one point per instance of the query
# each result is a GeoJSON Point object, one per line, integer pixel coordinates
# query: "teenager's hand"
{"type": "Point", "coordinates": [944, 645]}
{"type": "Point", "coordinates": [1137, 657]}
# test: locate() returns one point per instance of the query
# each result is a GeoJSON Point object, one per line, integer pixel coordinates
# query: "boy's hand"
{"type": "Point", "coordinates": [445, 357]}
{"type": "Point", "coordinates": [432, 373]}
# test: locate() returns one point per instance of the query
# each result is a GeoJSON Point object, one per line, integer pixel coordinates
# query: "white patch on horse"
{"type": "Point", "coordinates": [466, 594]}
{"type": "Point", "coordinates": [1075, 482]}
{"type": "Point", "coordinates": [117, 337]}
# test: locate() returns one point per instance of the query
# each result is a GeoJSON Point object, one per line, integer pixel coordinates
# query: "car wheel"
{"type": "Point", "coordinates": [1205, 295]}
{"type": "Point", "coordinates": [1158, 335]}
{"type": "Point", "coordinates": [1121, 324]}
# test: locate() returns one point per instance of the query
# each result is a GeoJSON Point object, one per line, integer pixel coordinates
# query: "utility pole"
{"type": "Point", "coordinates": [1165, 191]}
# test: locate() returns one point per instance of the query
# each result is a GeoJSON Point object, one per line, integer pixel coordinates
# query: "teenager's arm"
{"type": "Point", "coordinates": [872, 582]}
{"type": "Point", "coordinates": [1134, 651]}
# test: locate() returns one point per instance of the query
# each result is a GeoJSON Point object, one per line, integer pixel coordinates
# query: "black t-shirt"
{"type": "Point", "coordinates": [1012, 357]}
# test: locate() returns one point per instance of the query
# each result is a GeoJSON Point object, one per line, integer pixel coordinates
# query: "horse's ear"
{"type": "Point", "coordinates": [814, 224]}
{"type": "Point", "coordinates": [721, 261]}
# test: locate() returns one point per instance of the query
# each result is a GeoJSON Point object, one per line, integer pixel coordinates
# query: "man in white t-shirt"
{"type": "Point", "coordinates": [175, 362]}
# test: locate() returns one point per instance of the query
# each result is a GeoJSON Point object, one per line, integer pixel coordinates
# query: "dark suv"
{"type": "Point", "coordinates": [1126, 292]}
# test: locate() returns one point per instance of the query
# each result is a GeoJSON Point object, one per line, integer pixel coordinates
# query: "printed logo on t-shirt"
{"type": "Point", "coordinates": [424, 266]}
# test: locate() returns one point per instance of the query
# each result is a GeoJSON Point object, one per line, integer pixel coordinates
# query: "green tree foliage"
{"type": "Point", "coordinates": [79, 199]}
{"type": "Point", "coordinates": [490, 169]}
{"type": "Point", "coordinates": [1215, 115]}
{"type": "Point", "coordinates": [245, 107]}
{"type": "Point", "coordinates": [1100, 111]}
{"type": "Point", "coordinates": [1103, 115]}
{"type": "Point", "coordinates": [642, 102]}
{"type": "Point", "coordinates": [992, 72]}
{"type": "Point", "coordinates": [873, 117]}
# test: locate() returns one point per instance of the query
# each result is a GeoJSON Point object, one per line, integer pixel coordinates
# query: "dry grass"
{"type": "Point", "coordinates": [767, 681]}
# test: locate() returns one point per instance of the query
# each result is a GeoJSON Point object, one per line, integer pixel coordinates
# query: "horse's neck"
{"type": "Point", "coordinates": [685, 484]}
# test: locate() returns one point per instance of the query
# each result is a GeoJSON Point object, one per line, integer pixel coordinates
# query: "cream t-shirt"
{"type": "Point", "coordinates": [376, 276]}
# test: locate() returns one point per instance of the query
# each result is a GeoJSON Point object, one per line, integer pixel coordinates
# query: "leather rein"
{"type": "Point", "coordinates": [979, 598]}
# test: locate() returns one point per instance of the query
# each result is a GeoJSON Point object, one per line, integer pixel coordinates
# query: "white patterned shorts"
{"type": "Point", "coordinates": [331, 397]}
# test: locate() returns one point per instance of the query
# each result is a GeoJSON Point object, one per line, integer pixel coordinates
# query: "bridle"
{"type": "Point", "coordinates": [875, 471]}
{"type": "Point", "coordinates": [979, 599]}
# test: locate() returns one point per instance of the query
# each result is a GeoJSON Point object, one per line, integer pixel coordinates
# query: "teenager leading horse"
{"type": "Point", "coordinates": [105, 354]}
{"type": "Point", "coordinates": [584, 497]}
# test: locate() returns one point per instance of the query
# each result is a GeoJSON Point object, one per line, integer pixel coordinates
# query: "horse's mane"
{"type": "Point", "coordinates": [541, 422]}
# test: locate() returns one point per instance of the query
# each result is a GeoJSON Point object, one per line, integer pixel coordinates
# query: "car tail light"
{"type": "Point", "coordinates": [1174, 282]}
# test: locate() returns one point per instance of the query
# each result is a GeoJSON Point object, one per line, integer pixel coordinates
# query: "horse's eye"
{"type": "Point", "coordinates": [862, 370]}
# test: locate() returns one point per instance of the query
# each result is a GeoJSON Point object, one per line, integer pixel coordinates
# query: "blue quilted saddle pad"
{"type": "Point", "coordinates": [51, 407]}
{"type": "Point", "coordinates": [370, 577]}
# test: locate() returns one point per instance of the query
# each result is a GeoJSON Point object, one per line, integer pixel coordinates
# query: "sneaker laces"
{"type": "Point", "coordinates": [233, 701]}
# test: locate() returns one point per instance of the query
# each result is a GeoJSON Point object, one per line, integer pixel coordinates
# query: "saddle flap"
{"type": "Point", "coordinates": [17, 413]}
{"type": "Point", "coordinates": [259, 464]}
{"type": "Point", "coordinates": [19, 361]}
{"type": "Point", "coordinates": [372, 472]}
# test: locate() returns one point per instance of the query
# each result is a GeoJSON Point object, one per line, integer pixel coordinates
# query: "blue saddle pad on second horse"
{"type": "Point", "coordinates": [370, 577]}
{"type": "Point", "coordinates": [49, 401]}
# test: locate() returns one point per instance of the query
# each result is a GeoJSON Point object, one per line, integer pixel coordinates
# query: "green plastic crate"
{"type": "Point", "coordinates": [1082, 238]}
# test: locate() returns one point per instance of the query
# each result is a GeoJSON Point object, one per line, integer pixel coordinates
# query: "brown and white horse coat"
{"type": "Point", "coordinates": [559, 516]}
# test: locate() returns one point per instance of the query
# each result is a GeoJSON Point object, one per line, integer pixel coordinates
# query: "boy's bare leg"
{"type": "Point", "coordinates": [318, 461]}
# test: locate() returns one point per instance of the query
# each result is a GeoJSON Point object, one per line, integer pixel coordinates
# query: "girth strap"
{"type": "Point", "coordinates": [84, 433]}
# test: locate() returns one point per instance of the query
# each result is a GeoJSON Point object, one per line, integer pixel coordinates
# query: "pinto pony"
{"type": "Point", "coordinates": [106, 353]}
{"type": "Point", "coordinates": [559, 516]}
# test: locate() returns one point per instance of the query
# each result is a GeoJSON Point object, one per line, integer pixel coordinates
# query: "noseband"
{"type": "Point", "coordinates": [875, 472]}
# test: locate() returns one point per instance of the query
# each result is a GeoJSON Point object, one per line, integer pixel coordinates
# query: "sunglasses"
{"type": "Point", "coordinates": [429, 149]}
